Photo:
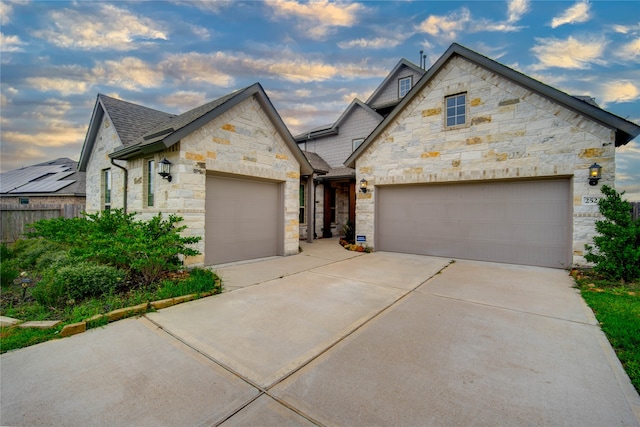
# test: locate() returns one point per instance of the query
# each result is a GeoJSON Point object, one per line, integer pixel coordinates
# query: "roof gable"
{"type": "Point", "coordinates": [624, 129]}
{"type": "Point", "coordinates": [130, 121]}
{"type": "Point", "coordinates": [392, 77]}
{"type": "Point", "coordinates": [334, 129]}
{"type": "Point", "coordinates": [172, 130]}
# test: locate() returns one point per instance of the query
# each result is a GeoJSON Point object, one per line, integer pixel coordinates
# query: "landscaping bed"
{"type": "Point", "coordinates": [85, 272]}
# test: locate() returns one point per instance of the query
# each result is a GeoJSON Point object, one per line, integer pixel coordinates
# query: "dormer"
{"type": "Point", "coordinates": [395, 86]}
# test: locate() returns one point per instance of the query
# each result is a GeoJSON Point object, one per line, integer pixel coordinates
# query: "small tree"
{"type": "Point", "coordinates": [617, 247]}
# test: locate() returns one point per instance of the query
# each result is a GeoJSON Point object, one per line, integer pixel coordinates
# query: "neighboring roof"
{"type": "Point", "coordinates": [56, 177]}
{"type": "Point", "coordinates": [164, 130]}
{"type": "Point", "coordinates": [625, 130]}
{"type": "Point", "coordinates": [334, 129]}
{"type": "Point", "coordinates": [317, 163]}
{"type": "Point", "coordinates": [338, 173]}
{"type": "Point", "coordinates": [130, 122]}
{"type": "Point", "coordinates": [392, 75]}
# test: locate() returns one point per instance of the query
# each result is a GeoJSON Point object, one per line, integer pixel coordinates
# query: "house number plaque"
{"type": "Point", "coordinates": [590, 200]}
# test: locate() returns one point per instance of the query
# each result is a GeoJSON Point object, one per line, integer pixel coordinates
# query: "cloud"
{"type": "Point", "coordinates": [112, 28]}
{"type": "Point", "coordinates": [206, 6]}
{"type": "Point", "coordinates": [201, 32]}
{"type": "Point", "coordinates": [128, 73]}
{"type": "Point", "coordinates": [448, 26]}
{"type": "Point", "coordinates": [570, 53]}
{"type": "Point", "coordinates": [10, 43]}
{"type": "Point", "coordinates": [375, 43]}
{"type": "Point", "coordinates": [620, 91]}
{"type": "Point", "coordinates": [579, 12]}
{"type": "Point", "coordinates": [54, 134]}
{"type": "Point", "coordinates": [196, 67]}
{"type": "Point", "coordinates": [630, 51]}
{"type": "Point", "coordinates": [183, 100]}
{"type": "Point", "coordinates": [625, 29]}
{"type": "Point", "coordinates": [317, 19]}
{"type": "Point", "coordinates": [515, 9]}
{"type": "Point", "coordinates": [6, 9]}
{"type": "Point", "coordinates": [58, 84]}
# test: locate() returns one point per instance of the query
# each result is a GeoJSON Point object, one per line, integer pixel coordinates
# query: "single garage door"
{"type": "Point", "coordinates": [243, 219]}
{"type": "Point", "coordinates": [524, 222]}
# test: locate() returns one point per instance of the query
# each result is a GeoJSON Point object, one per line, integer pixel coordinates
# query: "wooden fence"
{"type": "Point", "coordinates": [15, 218]}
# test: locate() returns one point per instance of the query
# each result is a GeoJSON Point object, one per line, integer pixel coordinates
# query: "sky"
{"type": "Point", "coordinates": [312, 58]}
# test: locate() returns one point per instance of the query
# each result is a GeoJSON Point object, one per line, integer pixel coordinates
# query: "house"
{"type": "Point", "coordinates": [230, 168]}
{"type": "Point", "coordinates": [332, 144]}
{"type": "Point", "coordinates": [42, 191]}
{"type": "Point", "coordinates": [479, 161]}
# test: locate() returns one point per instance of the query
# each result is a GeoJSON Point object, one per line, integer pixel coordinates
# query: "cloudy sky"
{"type": "Point", "coordinates": [312, 58]}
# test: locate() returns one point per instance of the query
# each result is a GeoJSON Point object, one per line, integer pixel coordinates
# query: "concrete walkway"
{"type": "Point", "coordinates": [330, 337]}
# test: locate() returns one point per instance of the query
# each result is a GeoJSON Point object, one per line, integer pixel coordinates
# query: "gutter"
{"type": "Point", "coordinates": [126, 183]}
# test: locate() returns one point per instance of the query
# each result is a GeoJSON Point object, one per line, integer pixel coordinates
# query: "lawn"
{"type": "Point", "coordinates": [617, 308]}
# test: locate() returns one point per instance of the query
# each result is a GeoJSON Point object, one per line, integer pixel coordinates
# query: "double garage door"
{"type": "Point", "coordinates": [524, 222]}
{"type": "Point", "coordinates": [243, 219]}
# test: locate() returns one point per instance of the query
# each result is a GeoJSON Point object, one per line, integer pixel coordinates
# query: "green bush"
{"type": "Point", "coordinates": [146, 249]}
{"type": "Point", "coordinates": [616, 254]}
{"type": "Point", "coordinates": [9, 271]}
{"type": "Point", "coordinates": [78, 282]}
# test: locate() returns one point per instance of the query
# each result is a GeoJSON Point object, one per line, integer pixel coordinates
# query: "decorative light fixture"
{"type": "Point", "coordinates": [165, 169]}
{"type": "Point", "coordinates": [363, 185]}
{"type": "Point", "coordinates": [594, 173]}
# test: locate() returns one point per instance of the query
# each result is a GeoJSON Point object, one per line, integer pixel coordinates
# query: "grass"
{"type": "Point", "coordinates": [196, 282]}
{"type": "Point", "coordinates": [617, 308]}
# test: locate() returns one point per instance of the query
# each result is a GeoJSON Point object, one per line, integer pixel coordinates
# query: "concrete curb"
{"type": "Point", "coordinates": [121, 313]}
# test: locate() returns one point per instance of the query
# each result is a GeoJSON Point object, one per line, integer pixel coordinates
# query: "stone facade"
{"type": "Point", "coordinates": [241, 141]}
{"type": "Point", "coordinates": [510, 133]}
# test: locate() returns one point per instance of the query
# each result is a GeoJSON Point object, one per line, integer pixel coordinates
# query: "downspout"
{"type": "Point", "coordinates": [126, 182]}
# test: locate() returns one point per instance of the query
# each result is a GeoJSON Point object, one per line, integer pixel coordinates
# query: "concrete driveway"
{"type": "Point", "coordinates": [331, 337]}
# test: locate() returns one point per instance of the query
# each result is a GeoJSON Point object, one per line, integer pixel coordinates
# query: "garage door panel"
{"type": "Point", "coordinates": [513, 222]}
{"type": "Point", "coordinates": [242, 220]}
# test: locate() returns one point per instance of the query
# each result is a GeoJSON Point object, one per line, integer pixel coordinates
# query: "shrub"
{"type": "Point", "coordinates": [146, 249]}
{"type": "Point", "coordinates": [617, 247]}
{"type": "Point", "coordinates": [9, 271]}
{"type": "Point", "coordinates": [78, 282]}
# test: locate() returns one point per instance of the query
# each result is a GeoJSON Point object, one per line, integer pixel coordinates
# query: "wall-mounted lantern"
{"type": "Point", "coordinates": [594, 173]}
{"type": "Point", "coordinates": [165, 169]}
{"type": "Point", "coordinates": [363, 185]}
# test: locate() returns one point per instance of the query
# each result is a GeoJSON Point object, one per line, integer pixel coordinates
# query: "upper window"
{"type": "Point", "coordinates": [151, 181]}
{"type": "Point", "coordinates": [456, 109]}
{"type": "Point", "coordinates": [404, 86]}
{"type": "Point", "coordinates": [24, 200]}
{"type": "Point", "coordinates": [106, 186]}
{"type": "Point", "coordinates": [356, 143]}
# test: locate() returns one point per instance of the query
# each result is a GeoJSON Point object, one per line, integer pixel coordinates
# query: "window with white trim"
{"type": "Point", "coordinates": [150, 182]}
{"type": "Point", "coordinates": [456, 107]}
{"type": "Point", "coordinates": [356, 143]}
{"type": "Point", "coordinates": [404, 86]}
{"type": "Point", "coordinates": [302, 218]}
{"type": "Point", "coordinates": [106, 189]}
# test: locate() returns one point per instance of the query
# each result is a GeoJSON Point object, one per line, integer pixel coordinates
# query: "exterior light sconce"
{"type": "Point", "coordinates": [594, 173]}
{"type": "Point", "coordinates": [165, 169]}
{"type": "Point", "coordinates": [363, 185]}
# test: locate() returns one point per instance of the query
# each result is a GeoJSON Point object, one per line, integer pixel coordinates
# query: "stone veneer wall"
{"type": "Point", "coordinates": [242, 141]}
{"type": "Point", "coordinates": [106, 140]}
{"type": "Point", "coordinates": [511, 133]}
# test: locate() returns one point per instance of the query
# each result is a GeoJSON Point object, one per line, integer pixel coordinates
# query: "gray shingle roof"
{"type": "Point", "coordinates": [317, 163]}
{"type": "Point", "coordinates": [131, 120]}
{"type": "Point", "coordinates": [178, 122]}
{"type": "Point", "coordinates": [58, 176]}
